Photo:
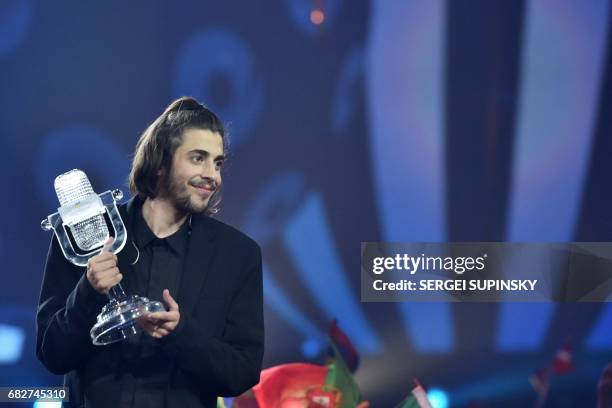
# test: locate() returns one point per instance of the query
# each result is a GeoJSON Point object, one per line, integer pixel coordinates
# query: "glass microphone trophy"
{"type": "Point", "coordinates": [82, 225]}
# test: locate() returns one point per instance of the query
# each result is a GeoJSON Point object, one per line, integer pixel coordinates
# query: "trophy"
{"type": "Point", "coordinates": [82, 224]}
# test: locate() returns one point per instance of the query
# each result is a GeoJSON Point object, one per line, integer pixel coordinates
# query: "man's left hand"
{"type": "Point", "coordinates": [160, 324]}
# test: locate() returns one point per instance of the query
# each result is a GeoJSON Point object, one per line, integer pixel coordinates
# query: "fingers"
{"type": "Point", "coordinates": [160, 324]}
{"type": "Point", "coordinates": [102, 271]}
{"type": "Point", "coordinates": [159, 332]}
{"type": "Point", "coordinates": [104, 276]}
{"type": "Point", "coordinates": [108, 244]}
{"type": "Point", "coordinates": [155, 327]}
{"type": "Point", "coordinates": [106, 283]}
{"type": "Point", "coordinates": [170, 301]}
{"type": "Point", "coordinates": [164, 316]}
{"type": "Point", "coordinates": [102, 257]}
{"type": "Point", "coordinates": [98, 276]}
{"type": "Point", "coordinates": [107, 265]}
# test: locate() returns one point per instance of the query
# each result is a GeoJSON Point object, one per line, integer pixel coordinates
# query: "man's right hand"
{"type": "Point", "coordinates": [102, 270]}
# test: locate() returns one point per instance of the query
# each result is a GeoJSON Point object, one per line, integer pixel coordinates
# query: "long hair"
{"type": "Point", "coordinates": [158, 143]}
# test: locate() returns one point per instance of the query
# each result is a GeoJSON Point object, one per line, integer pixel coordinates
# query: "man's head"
{"type": "Point", "coordinates": [179, 158]}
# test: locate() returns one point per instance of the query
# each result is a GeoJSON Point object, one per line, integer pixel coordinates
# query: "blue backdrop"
{"type": "Point", "coordinates": [421, 120]}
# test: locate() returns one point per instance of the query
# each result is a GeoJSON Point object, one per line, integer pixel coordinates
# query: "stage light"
{"type": "Point", "coordinates": [317, 16]}
{"type": "Point", "coordinates": [11, 343]}
{"type": "Point", "coordinates": [438, 398]}
{"type": "Point", "coordinates": [311, 347]}
{"type": "Point", "coordinates": [47, 404]}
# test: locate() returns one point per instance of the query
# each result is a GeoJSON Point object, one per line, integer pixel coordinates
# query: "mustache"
{"type": "Point", "coordinates": [209, 184]}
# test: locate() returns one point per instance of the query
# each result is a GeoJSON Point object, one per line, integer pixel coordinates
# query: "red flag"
{"type": "Point", "coordinates": [562, 362]}
{"type": "Point", "coordinates": [288, 386]}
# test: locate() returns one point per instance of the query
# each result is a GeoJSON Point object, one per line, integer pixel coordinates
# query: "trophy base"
{"type": "Point", "coordinates": [117, 320]}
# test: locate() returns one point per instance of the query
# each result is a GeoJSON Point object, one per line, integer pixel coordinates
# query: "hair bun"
{"type": "Point", "coordinates": [184, 103]}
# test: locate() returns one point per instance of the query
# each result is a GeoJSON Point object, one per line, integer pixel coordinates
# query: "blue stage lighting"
{"type": "Point", "coordinates": [600, 338]}
{"type": "Point", "coordinates": [311, 347]}
{"type": "Point", "coordinates": [438, 398]}
{"type": "Point", "coordinates": [11, 343]}
{"type": "Point", "coordinates": [282, 304]}
{"type": "Point", "coordinates": [47, 404]}
{"type": "Point", "coordinates": [311, 244]}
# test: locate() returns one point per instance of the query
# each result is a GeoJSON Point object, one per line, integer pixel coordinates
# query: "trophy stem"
{"type": "Point", "coordinates": [116, 292]}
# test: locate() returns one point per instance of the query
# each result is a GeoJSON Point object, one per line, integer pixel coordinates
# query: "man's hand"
{"type": "Point", "coordinates": [160, 324]}
{"type": "Point", "coordinates": [102, 271]}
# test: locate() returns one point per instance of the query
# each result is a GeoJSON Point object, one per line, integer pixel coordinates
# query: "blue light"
{"type": "Point", "coordinates": [561, 66]}
{"type": "Point", "coordinates": [311, 347]}
{"type": "Point", "coordinates": [437, 398]}
{"type": "Point", "coordinates": [523, 326]}
{"type": "Point", "coordinates": [349, 82]}
{"type": "Point", "coordinates": [278, 300]}
{"type": "Point", "coordinates": [600, 338]}
{"type": "Point", "coordinates": [492, 387]}
{"type": "Point", "coordinates": [311, 245]}
{"type": "Point", "coordinates": [11, 343]}
{"type": "Point", "coordinates": [47, 404]}
{"type": "Point", "coordinates": [429, 326]}
{"type": "Point", "coordinates": [563, 57]}
{"type": "Point", "coordinates": [15, 21]}
{"type": "Point", "coordinates": [407, 117]}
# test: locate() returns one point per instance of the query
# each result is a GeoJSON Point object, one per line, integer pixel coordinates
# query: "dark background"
{"type": "Point", "coordinates": [392, 120]}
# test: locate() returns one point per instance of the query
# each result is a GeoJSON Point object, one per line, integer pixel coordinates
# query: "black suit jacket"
{"type": "Point", "coordinates": [217, 347]}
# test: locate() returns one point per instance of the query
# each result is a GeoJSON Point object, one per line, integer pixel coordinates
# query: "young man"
{"type": "Point", "coordinates": [209, 342]}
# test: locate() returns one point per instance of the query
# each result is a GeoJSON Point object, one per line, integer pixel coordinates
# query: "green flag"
{"type": "Point", "coordinates": [340, 377]}
{"type": "Point", "coordinates": [416, 399]}
{"type": "Point", "coordinates": [409, 402]}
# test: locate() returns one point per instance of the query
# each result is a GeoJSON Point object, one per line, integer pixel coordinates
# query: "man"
{"type": "Point", "coordinates": [210, 340]}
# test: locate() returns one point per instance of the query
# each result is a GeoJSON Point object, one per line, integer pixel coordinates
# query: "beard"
{"type": "Point", "coordinates": [181, 198]}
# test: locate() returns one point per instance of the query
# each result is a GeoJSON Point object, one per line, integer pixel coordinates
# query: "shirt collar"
{"type": "Point", "coordinates": [144, 236]}
{"type": "Point", "coordinates": [178, 240]}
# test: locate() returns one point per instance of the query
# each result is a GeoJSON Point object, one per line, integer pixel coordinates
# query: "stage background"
{"type": "Point", "coordinates": [391, 120]}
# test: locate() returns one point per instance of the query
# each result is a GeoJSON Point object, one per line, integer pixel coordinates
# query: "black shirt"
{"type": "Point", "coordinates": [144, 383]}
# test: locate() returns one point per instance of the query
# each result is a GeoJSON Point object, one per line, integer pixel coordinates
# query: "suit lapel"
{"type": "Point", "coordinates": [198, 262]}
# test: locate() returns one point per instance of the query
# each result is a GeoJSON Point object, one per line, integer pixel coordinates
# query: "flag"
{"type": "Point", "coordinates": [416, 399]}
{"type": "Point", "coordinates": [540, 381]}
{"type": "Point", "coordinates": [339, 377]}
{"type": "Point", "coordinates": [563, 363]}
{"type": "Point", "coordinates": [288, 385]}
{"type": "Point", "coordinates": [344, 346]}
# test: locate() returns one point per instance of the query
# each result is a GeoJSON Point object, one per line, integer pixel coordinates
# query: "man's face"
{"type": "Point", "coordinates": [196, 171]}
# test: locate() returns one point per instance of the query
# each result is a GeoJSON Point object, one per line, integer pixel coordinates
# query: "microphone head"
{"type": "Point", "coordinates": [71, 187]}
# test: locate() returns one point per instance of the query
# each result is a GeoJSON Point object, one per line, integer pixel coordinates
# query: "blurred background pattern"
{"type": "Point", "coordinates": [350, 121]}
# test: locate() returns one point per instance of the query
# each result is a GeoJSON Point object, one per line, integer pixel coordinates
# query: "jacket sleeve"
{"type": "Point", "coordinates": [67, 310]}
{"type": "Point", "coordinates": [231, 364]}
